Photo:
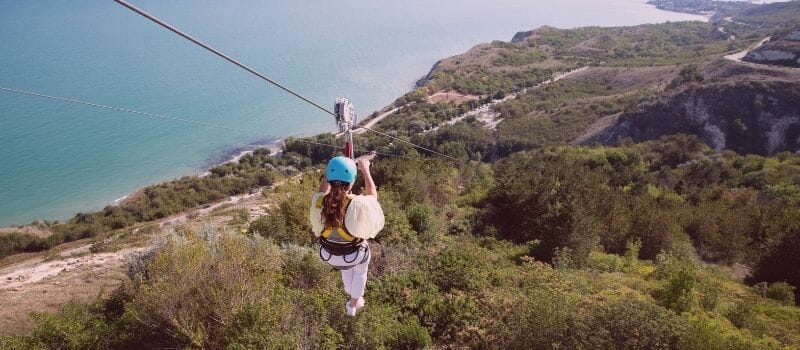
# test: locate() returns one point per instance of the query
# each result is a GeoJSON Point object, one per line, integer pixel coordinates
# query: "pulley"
{"type": "Point", "coordinates": [345, 114]}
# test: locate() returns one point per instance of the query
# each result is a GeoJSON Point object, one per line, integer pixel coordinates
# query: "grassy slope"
{"type": "Point", "coordinates": [440, 280]}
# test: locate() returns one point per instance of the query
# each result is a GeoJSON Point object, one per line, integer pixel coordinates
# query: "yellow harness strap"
{"type": "Point", "coordinates": [342, 231]}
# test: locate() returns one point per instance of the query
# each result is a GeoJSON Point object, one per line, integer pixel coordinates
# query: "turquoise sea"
{"type": "Point", "coordinates": [58, 159]}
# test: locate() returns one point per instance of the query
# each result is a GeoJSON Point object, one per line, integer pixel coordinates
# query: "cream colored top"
{"type": "Point", "coordinates": [363, 219]}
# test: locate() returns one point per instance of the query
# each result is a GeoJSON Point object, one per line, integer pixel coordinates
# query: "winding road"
{"type": "Point", "coordinates": [737, 57]}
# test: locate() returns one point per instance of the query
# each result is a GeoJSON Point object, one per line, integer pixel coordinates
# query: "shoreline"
{"type": "Point", "coordinates": [230, 155]}
{"type": "Point", "coordinates": [236, 153]}
{"type": "Point", "coordinates": [275, 146]}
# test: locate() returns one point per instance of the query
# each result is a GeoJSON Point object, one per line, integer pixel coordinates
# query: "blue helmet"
{"type": "Point", "coordinates": [341, 169]}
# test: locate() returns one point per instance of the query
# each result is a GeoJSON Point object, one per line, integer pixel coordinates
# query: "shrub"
{"type": "Point", "coordinates": [538, 198]}
{"type": "Point", "coordinates": [373, 328]}
{"type": "Point", "coordinates": [606, 262]}
{"type": "Point", "coordinates": [421, 218]}
{"type": "Point", "coordinates": [447, 316]}
{"type": "Point", "coordinates": [17, 242]}
{"type": "Point", "coordinates": [710, 293]}
{"type": "Point", "coordinates": [302, 268]}
{"type": "Point", "coordinates": [679, 294]}
{"type": "Point", "coordinates": [707, 332]}
{"type": "Point", "coordinates": [781, 263]}
{"type": "Point", "coordinates": [782, 292]}
{"type": "Point", "coordinates": [397, 229]}
{"type": "Point", "coordinates": [459, 268]}
{"type": "Point", "coordinates": [328, 339]}
{"type": "Point", "coordinates": [411, 335]}
{"type": "Point", "coordinates": [75, 326]}
{"type": "Point", "coordinates": [198, 284]}
{"type": "Point", "coordinates": [536, 320]}
{"type": "Point", "coordinates": [632, 254]}
{"type": "Point", "coordinates": [256, 327]}
{"type": "Point", "coordinates": [287, 222]}
{"type": "Point", "coordinates": [625, 324]}
{"type": "Point", "coordinates": [562, 259]}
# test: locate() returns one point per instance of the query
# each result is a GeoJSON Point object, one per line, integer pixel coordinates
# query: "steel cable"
{"type": "Point", "coordinates": [256, 73]}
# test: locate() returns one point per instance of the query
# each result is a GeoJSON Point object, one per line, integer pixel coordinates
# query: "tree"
{"type": "Point", "coordinates": [782, 264]}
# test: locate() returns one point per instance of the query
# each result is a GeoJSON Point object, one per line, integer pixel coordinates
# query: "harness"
{"type": "Point", "coordinates": [349, 247]}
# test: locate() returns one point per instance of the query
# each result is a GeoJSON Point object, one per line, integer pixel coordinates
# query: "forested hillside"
{"type": "Point", "coordinates": [635, 247]}
{"type": "Point", "coordinates": [547, 233]}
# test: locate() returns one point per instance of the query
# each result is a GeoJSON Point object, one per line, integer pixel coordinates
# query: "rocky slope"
{"type": "Point", "coordinates": [785, 51]}
{"type": "Point", "coordinates": [748, 117]}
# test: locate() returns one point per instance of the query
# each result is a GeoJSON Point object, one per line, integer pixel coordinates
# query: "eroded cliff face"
{"type": "Point", "coordinates": [784, 51]}
{"type": "Point", "coordinates": [747, 117]}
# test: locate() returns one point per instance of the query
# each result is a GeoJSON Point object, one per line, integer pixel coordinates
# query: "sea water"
{"type": "Point", "coordinates": [57, 159]}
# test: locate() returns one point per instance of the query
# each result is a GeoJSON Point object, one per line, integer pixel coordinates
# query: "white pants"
{"type": "Point", "coordinates": [353, 268]}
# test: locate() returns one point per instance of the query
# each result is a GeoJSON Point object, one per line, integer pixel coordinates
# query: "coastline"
{"type": "Point", "coordinates": [275, 147]}
{"type": "Point", "coordinates": [231, 155]}
{"type": "Point", "coordinates": [234, 154]}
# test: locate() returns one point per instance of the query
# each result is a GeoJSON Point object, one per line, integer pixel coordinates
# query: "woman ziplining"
{"type": "Point", "coordinates": [344, 222]}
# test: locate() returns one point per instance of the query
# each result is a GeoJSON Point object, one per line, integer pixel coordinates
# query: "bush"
{"type": "Point", "coordinates": [303, 269]}
{"type": "Point", "coordinates": [537, 197]}
{"type": "Point", "coordinates": [411, 335]}
{"type": "Point", "coordinates": [679, 294]}
{"type": "Point", "coordinates": [562, 259]}
{"type": "Point", "coordinates": [603, 262]}
{"type": "Point", "coordinates": [397, 228]}
{"type": "Point", "coordinates": [625, 324]}
{"type": "Point", "coordinates": [287, 222]}
{"type": "Point", "coordinates": [781, 291]}
{"type": "Point", "coordinates": [459, 268]}
{"type": "Point", "coordinates": [17, 242]}
{"type": "Point", "coordinates": [254, 327]}
{"type": "Point", "coordinates": [632, 249]}
{"type": "Point", "coordinates": [198, 284]}
{"type": "Point", "coordinates": [780, 265]}
{"type": "Point", "coordinates": [421, 218]}
{"type": "Point", "coordinates": [536, 320]}
{"type": "Point", "coordinates": [709, 332]}
{"type": "Point", "coordinates": [374, 328]}
{"type": "Point", "coordinates": [75, 326]}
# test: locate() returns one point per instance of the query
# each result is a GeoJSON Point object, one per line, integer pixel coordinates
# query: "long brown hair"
{"type": "Point", "coordinates": [333, 208]}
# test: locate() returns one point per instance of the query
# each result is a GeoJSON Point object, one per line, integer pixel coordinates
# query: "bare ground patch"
{"type": "Point", "coordinates": [596, 127]}
{"type": "Point", "coordinates": [45, 286]}
{"type": "Point", "coordinates": [451, 96]}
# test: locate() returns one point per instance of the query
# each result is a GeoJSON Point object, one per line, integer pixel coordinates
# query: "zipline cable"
{"type": "Point", "coordinates": [161, 116]}
{"type": "Point", "coordinates": [154, 115]}
{"type": "Point", "coordinates": [220, 54]}
{"type": "Point", "coordinates": [256, 73]}
{"type": "Point", "coordinates": [406, 142]}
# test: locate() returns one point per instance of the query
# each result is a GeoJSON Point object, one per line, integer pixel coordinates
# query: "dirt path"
{"type": "Point", "coordinates": [15, 278]}
{"type": "Point", "coordinates": [376, 120]}
{"type": "Point", "coordinates": [490, 118]}
{"type": "Point", "coordinates": [185, 216]}
{"type": "Point", "coordinates": [43, 286]}
{"type": "Point", "coordinates": [737, 57]}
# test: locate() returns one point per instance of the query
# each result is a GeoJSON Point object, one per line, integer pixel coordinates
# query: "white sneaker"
{"type": "Point", "coordinates": [349, 311]}
{"type": "Point", "coordinates": [359, 305]}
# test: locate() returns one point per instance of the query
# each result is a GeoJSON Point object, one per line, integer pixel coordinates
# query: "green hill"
{"type": "Point", "coordinates": [548, 234]}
